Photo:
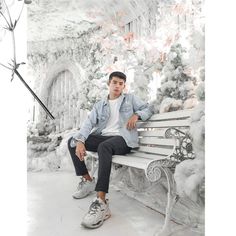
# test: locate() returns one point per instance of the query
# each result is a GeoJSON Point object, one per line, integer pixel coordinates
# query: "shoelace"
{"type": "Point", "coordinates": [94, 207]}
{"type": "Point", "coordinates": [82, 182]}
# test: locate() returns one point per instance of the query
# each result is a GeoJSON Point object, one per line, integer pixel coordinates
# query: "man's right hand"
{"type": "Point", "coordinates": [80, 151]}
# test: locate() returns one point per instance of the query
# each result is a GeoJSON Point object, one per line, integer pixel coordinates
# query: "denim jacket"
{"type": "Point", "coordinates": [98, 118]}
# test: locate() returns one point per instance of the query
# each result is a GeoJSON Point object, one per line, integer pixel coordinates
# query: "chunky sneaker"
{"type": "Point", "coordinates": [84, 188]}
{"type": "Point", "coordinates": [98, 212]}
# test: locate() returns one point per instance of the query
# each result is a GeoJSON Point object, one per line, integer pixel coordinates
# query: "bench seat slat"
{"type": "Point", "coordinates": [146, 155]}
{"type": "Point", "coordinates": [157, 132]}
{"type": "Point", "coordinates": [157, 141]}
{"type": "Point", "coordinates": [153, 133]}
{"type": "Point", "coordinates": [161, 124]}
{"type": "Point", "coordinates": [172, 115]}
{"type": "Point", "coordinates": [140, 163]}
{"type": "Point", "coordinates": [137, 154]}
{"type": "Point", "coordinates": [156, 150]}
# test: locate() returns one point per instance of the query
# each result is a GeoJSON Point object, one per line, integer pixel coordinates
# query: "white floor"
{"type": "Point", "coordinates": [53, 212]}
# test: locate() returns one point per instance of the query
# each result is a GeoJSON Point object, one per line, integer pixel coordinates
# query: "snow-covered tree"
{"type": "Point", "coordinates": [93, 86]}
{"type": "Point", "coordinates": [177, 86]}
{"type": "Point", "coordinates": [189, 175]}
{"type": "Point", "coordinates": [140, 83]}
{"type": "Point", "coordinates": [90, 91]}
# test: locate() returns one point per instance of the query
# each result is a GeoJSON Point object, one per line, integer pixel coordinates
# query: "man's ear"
{"type": "Point", "coordinates": [108, 82]}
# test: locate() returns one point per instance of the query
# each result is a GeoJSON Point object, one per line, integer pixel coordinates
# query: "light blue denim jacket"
{"type": "Point", "coordinates": [98, 118]}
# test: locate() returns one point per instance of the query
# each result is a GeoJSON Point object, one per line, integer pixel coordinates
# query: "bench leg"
{"type": "Point", "coordinates": [172, 198]}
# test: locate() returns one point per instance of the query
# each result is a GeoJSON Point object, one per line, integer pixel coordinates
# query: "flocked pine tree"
{"type": "Point", "coordinates": [140, 83]}
{"type": "Point", "coordinates": [177, 86]}
{"type": "Point", "coordinates": [190, 174]}
{"type": "Point", "coordinates": [90, 91]}
{"type": "Point", "coordinates": [93, 86]}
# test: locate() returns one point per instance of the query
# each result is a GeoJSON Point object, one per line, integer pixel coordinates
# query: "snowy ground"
{"type": "Point", "coordinates": [53, 212]}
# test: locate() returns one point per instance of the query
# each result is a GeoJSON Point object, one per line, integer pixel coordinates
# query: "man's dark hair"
{"type": "Point", "coordinates": [117, 74]}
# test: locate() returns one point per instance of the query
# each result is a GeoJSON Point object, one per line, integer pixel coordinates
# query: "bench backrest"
{"type": "Point", "coordinates": [154, 139]}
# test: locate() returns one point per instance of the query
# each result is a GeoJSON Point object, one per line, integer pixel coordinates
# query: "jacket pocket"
{"type": "Point", "coordinates": [126, 108]}
{"type": "Point", "coordinates": [126, 112]}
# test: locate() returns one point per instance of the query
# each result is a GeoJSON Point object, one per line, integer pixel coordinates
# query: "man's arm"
{"type": "Point", "coordinates": [131, 124]}
{"type": "Point", "coordinates": [141, 108]}
{"type": "Point", "coordinates": [80, 150]}
{"type": "Point", "coordinates": [87, 126]}
{"type": "Point", "coordinates": [80, 137]}
{"type": "Point", "coordinates": [141, 111]}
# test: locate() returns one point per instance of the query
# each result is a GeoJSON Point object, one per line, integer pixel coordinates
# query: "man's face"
{"type": "Point", "coordinates": [116, 86]}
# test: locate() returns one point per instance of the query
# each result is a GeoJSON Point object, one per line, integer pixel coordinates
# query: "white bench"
{"type": "Point", "coordinates": [164, 143]}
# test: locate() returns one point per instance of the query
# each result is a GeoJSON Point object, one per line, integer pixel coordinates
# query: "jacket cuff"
{"type": "Point", "coordinates": [76, 138]}
{"type": "Point", "coordinates": [141, 115]}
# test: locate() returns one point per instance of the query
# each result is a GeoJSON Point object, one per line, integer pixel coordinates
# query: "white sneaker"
{"type": "Point", "coordinates": [98, 212]}
{"type": "Point", "coordinates": [85, 187]}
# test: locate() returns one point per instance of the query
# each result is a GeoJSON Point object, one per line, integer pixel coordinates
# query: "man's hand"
{"type": "Point", "coordinates": [131, 124]}
{"type": "Point", "coordinates": [80, 151]}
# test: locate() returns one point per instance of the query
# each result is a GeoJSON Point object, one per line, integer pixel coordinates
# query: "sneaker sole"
{"type": "Point", "coordinates": [82, 196]}
{"type": "Point", "coordinates": [79, 197]}
{"type": "Point", "coordinates": [98, 224]}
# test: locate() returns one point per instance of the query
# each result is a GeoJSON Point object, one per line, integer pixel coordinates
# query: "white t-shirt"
{"type": "Point", "coordinates": [112, 127]}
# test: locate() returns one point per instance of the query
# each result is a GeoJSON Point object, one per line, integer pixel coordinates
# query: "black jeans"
{"type": "Point", "coordinates": [105, 146]}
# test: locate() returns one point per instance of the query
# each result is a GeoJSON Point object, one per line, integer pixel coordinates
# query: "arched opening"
{"type": "Point", "coordinates": [59, 92]}
{"type": "Point", "coordinates": [62, 99]}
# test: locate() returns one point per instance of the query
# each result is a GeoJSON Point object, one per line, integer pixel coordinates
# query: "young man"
{"type": "Point", "coordinates": [113, 125]}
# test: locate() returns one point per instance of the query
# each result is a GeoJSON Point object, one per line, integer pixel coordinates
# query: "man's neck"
{"type": "Point", "coordinates": [112, 97]}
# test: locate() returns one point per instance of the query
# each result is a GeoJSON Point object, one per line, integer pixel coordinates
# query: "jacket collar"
{"type": "Point", "coordinates": [106, 100]}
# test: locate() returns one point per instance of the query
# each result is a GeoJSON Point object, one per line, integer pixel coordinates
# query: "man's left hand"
{"type": "Point", "coordinates": [131, 124]}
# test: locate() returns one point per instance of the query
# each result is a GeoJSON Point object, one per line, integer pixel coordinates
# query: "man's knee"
{"type": "Point", "coordinates": [104, 147]}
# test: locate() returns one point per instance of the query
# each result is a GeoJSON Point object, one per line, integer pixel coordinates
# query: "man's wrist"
{"type": "Point", "coordinates": [138, 116]}
{"type": "Point", "coordinates": [79, 142]}
{"type": "Point", "coordinates": [76, 141]}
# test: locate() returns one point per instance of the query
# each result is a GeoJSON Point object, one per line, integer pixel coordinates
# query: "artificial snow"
{"type": "Point", "coordinates": [170, 104]}
{"type": "Point", "coordinates": [189, 174]}
{"type": "Point", "coordinates": [53, 211]}
{"type": "Point", "coordinates": [200, 92]}
{"type": "Point", "coordinates": [190, 103]}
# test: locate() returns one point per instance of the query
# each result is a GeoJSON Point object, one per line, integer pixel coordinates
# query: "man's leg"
{"type": "Point", "coordinates": [112, 146]}
{"type": "Point", "coordinates": [87, 183]}
{"type": "Point", "coordinates": [80, 168]}
{"type": "Point", "coordinates": [99, 209]}
{"type": "Point", "coordinates": [91, 144]}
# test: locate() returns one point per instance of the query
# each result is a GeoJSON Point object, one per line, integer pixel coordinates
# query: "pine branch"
{"type": "Point", "coordinates": [5, 19]}
{"type": "Point", "coordinates": [20, 13]}
{"type": "Point", "coordinates": [5, 66]}
{"type": "Point", "coordinates": [14, 66]}
{"type": "Point", "coordinates": [8, 12]}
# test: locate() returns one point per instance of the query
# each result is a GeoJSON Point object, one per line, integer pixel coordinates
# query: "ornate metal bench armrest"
{"type": "Point", "coordinates": [154, 169]}
{"type": "Point", "coordinates": [184, 150]}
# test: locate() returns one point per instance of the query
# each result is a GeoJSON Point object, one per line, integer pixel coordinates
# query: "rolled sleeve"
{"type": "Point", "coordinates": [87, 126]}
{"type": "Point", "coordinates": [141, 108]}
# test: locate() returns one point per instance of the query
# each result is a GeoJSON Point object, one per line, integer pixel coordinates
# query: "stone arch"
{"type": "Point", "coordinates": [71, 71]}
